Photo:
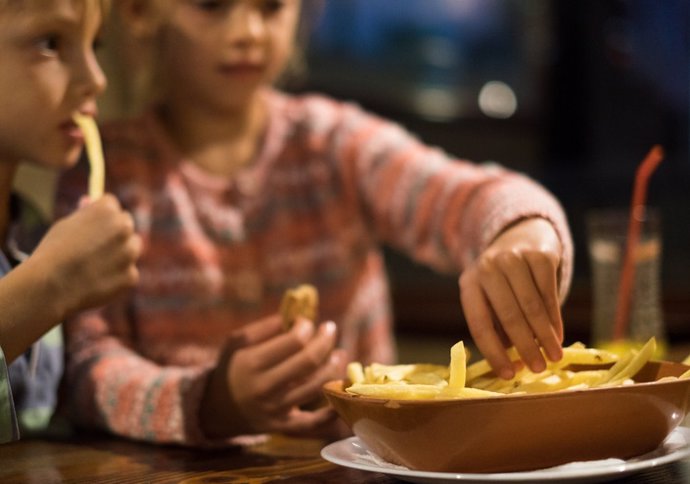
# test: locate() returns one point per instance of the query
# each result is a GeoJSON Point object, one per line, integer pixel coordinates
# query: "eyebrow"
{"type": "Point", "coordinates": [55, 19]}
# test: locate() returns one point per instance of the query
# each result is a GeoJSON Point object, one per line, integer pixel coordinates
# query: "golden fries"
{"type": "Point", "coordinates": [94, 151]}
{"type": "Point", "coordinates": [579, 368]}
{"type": "Point", "coordinates": [458, 366]}
{"type": "Point", "coordinates": [303, 300]}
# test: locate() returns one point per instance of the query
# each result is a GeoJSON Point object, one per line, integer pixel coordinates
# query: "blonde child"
{"type": "Point", "coordinates": [48, 72]}
{"type": "Point", "coordinates": [240, 192]}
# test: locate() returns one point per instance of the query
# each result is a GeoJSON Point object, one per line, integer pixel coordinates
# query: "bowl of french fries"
{"type": "Point", "coordinates": [591, 405]}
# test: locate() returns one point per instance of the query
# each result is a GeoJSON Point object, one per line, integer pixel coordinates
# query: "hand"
{"type": "Point", "coordinates": [510, 297]}
{"type": "Point", "coordinates": [265, 374]}
{"type": "Point", "coordinates": [89, 256]}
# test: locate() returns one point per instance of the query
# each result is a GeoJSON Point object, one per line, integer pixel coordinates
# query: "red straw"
{"type": "Point", "coordinates": [637, 207]}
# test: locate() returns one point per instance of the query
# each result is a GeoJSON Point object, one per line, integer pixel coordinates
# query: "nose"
{"type": "Point", "coordinates": [89, 76]}
{"type": "Point", "coordinates": [246, 23]}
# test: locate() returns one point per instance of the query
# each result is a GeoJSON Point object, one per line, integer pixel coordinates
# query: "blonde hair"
{"type": "Point", "coordinates": [27, 4]}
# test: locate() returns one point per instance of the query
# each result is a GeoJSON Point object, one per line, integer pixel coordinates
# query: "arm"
{"type": "Point", "coordinates": [487, 223]}
{"type": "Point", "coordinates": [115, 388]}
{"type": "Point", "coordinates": [83, 261]}
{"type": "Point", "coordinates": [250, 390]}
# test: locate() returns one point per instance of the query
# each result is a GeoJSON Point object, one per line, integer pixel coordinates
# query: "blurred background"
{"type": "Point", "coordinates": [572, 93]}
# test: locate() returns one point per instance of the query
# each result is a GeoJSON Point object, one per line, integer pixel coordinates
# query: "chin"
{"type": "Point", "coordinates": [57, 161]}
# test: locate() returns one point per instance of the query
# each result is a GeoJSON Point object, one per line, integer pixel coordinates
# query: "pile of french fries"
{"type": "Point", "coordinates": [458, 380]}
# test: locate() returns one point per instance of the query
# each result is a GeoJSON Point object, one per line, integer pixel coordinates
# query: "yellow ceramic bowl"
{"type": "Point", "coordinates": [519, 432]}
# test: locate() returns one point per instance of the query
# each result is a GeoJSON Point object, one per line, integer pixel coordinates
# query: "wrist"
{"type": "Point", "coordinates": [47, 290]}
{"type": "Point", "coordinates": [219, 415]}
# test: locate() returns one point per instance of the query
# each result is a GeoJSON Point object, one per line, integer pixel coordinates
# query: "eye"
{"type": "Point", "coordinates": [209, 5]}
{"type": "Point", "coordinates": [48, 45]}
{"type": "Point", "coordinates": [273, 6]}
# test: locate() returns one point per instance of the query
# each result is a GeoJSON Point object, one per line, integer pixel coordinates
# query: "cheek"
{"type": "Point", "coordinates": [178, 58]}
{"type": "Point", "coordinates": [42, 91]}
{"type": "Point", "coordinates": [281, 53]}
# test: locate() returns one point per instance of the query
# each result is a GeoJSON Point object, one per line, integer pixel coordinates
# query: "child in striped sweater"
{"type": "Point", "coordinates": [239, 192]}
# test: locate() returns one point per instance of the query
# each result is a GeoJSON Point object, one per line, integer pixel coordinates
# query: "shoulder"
{"type": "Point", "coordinates": [135, 148]}
{"type": "Point", "coordinates": [313, 112]}
{"type": "Point", "coordinates": [130, 134]}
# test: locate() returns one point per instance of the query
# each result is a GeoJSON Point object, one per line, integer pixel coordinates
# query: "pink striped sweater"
{"type": "Point", "coordinates": [330, 185]}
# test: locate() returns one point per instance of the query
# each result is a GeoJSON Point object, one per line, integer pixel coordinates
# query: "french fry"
{"type": "Point", "coordinates": [456, 381]}
{"type": "Point", "coordinates": [575, 355]}
{"type": "Point", "coordinates": [638, 360]}
{"type": "Point", "coordinates": [482, 367]}
{"type": "Point", "coordinates": [458, 366]}
{"type": "Point", "coordinates": [94, 151]}
{"type": "Point", "coordinates": [465, 392]}
{"type": "Point", "coordinates": [396, 391]}
{"type": "Point", "coordinates": [355, 372]}
{"type": "Point", "coordinates": [302, 300]}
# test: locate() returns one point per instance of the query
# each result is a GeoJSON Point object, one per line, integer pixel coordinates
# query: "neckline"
{"type": "Point", "coordinates": [249, 175]}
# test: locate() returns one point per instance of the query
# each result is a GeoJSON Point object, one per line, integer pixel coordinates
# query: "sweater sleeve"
{"type": "Point", "coordinates": [115, 388]}
{"type": "Point", "coordinates": [441, 211]}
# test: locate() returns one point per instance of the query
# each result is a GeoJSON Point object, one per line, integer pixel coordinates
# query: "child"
{"type": "Point", "coordinates": [240, 192]}
{"type": "Point", "coordinates": [48, 72]}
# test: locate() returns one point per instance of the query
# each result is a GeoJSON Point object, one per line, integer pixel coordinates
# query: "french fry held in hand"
{"type": "Point", "coordinates": [302, 300]}
{"type": "Point", "coordinates": [94, 152]}
{"type": "Point", "coordinates": [424, 381]}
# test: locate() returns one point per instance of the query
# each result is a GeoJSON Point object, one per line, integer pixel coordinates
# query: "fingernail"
{"type": "Point", "coordinates": [328, 328]}
{"type": "Point", "coordinates": [555, 354]}
{"type": "Point", "coordinates": [507, 374]}
{"type": "Point", "coordinates": [538, 366]}
{"type": "Point", "coordinates": [305, 329]}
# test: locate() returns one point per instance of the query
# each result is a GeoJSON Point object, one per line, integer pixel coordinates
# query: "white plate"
{"type": "Point", "coordinates": [351, 452]}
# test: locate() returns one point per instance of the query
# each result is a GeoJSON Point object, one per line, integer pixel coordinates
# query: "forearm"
{"type": "Point", "coordinates": [117, 389]}
{"type": "Point", "coordinates": [30, 307]}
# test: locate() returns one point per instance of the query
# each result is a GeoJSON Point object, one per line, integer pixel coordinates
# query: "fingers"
{"type": "Point", "coordinates": [259, 331]}
{"type": "Point", "coordinates": [510, 298]}
{"type": "Point", "coordinates": [544, 269]}
{"type": "Point", "coordinates": [479, 321]}
{"type": "Point", "coordinates": [279, 349]}
{"type": "Point", "coordinates": [503, 300]}
{"type": "Point", "coordinates": [530, 305]}
{"type": "Point", "coordinates": [310, 387]}
{"type": "Point", "coordinates": [272, 372]}
{"type": "Point", "coordinates": [311, 357]}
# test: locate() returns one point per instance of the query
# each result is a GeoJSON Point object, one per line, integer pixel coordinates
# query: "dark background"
{"type": "Point", "coordinates": [597, 83]}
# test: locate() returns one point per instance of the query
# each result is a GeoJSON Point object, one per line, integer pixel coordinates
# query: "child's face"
{"type": "Point", "coordinates": [48, 71]}
{"type": "Point", "coordinates": [217, 53]}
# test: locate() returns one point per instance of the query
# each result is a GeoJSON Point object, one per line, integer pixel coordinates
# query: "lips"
{"type": "Point", "coordinates": [72, 131]}
{"type": "Point", "coordinates": [241, 69]}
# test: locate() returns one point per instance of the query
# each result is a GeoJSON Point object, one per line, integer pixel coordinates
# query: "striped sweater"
{"type": "Point", "coordinates": [329, 186]}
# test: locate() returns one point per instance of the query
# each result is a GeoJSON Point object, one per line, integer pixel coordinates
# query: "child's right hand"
{"type": "Point", "coordinates": [266, 373]}
{"type": "Point", "coordinates": [89, 256]}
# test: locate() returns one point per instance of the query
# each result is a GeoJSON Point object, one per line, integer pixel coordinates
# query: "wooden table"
{"type": "Point", "coordinates": [104, 459]}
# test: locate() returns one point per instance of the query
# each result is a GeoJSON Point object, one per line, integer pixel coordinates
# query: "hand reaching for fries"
{"type": "Point", "coordinates": [265, 374]}
{"type": "Point", "coordinates": [510, 297]}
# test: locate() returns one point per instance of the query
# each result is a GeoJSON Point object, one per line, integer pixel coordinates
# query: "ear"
{"type": "Point", "coordinates": [140, 17]}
